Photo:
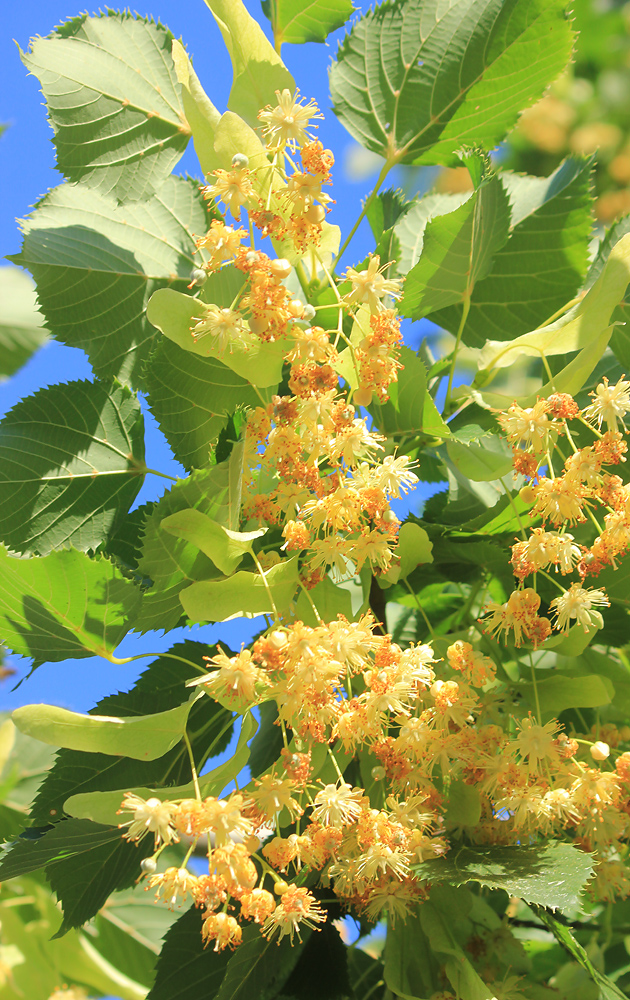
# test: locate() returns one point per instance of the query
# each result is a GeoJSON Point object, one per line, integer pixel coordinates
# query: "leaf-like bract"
{"type": "Point", "coordinates": [64, 605]}
{"type": "Point", "coordinates": [71, 462]}
{"type": "Point", "coordinates": [143, 737]}
{"type": "Point", "coordinates": [113, 102]}
{"type": "Point", "coordinates": [97, 263]}
{"type": "Point", "coordinates": [21, 324]}
{"type": "Point", "coordinates": [160, 687]}
{"type": "Point", "coordinates": [258, 69]}
{"type": "Point", "coordinates": [551, 874]}
{"type": "Point", "coordinates": [298, 21]}
{"type": "Point", "coordinates": [417, 79]}
{"type": "Point", "coordinates": [244, 594]}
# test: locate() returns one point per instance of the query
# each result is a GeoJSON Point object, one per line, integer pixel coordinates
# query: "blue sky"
{"type": "Point", "coordinates": [27, 171]}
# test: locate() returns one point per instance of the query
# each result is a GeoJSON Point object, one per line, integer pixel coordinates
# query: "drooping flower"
{"type": "Point", "coordinates": [337, 805]}
{"type": "Point", "coordinates": [287, 124]}
{"type": "Point", "coordinates": [579, 605]}
{"type": "Point", "coordinates": [610, 403]}
{"type": "Point", "coordinates": [297, 907]}
{"type": "Point", "coordinates": [149, 816]}
{"type": "Point", "coordinates": [371, 285]}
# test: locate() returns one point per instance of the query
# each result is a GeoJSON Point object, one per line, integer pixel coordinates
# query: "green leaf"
{"type": "Point", "coordinates": [172, 563]}
{"type": "Point", "coordinates": [113, 102]}
{"type": "Point", "coordinates": [552, 874]}
{"type": "Point", "coordinates": [560, 692]}
{"type": "Point", "coordinates": [244, 594]}
{"type": "Point", "coordinates": [258, 69]}
{"type": "Point", "coordinates": [201, 114]}
{"type": "Point", "coordinates": [84, 881]}
{"type": "Point", "coordinates": [321, 969]}
{"type": "Point", "coordinates": [329, 600]}
{"type": "Point", "coordinates": [543, 263]}
{"type": "Point", "coordinates": [49, 964]}
{"type": "Point", "coordinates": [145, 737]}
{"type": "Point", "coordinates": [224, 547]}
{"type": "Point", "coordinates": [410, 967]}
{"type": "Point", "coordinates": [458, 250]}
{"type": "Point", "coordinates": [21, 324]}
{"type": "Point", "coordinates": [185, 969]}
{"type": "Point", "coordinates": [299, 21]}
{"type": "Point", "coordinates": [160, 687]}
{"type": "Point", "coordinates": [416, 80]}
{"type": "Point", "coordinates": [191, 398]}
{"type": "Point", "coordinates": [414, 547]}
{"type": "Point", "coordinates": [259, 967]}
{"type": "Point", "coordinates": [483, 460]}
{"type": "Point", "coordinates": [464, 805]}
{"type": "Point", "coordinates": [96, 264]}
{"type": "Point", "coordinates": [71, 461]}
{"type": "Point", "coordinates": [174, 314]}
{"type": "Point", "coordinates": [410, 226]}
{"type": "Point", "coordinates": [436, 919]}
{"type": "Point", "coordinates": [103, 807]}
{"type": "Point", "coordinates": [406, 406]}
{"type": "Point", "coordinates": [64, 605]}
{"type": "Point", "coordinates": [564, 937]}
{"type": "Point", "coordinates": [65, 840]}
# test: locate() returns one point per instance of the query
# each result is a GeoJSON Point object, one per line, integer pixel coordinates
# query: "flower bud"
{"type": "Point", "coordinates": [258, 325]}
{"type": "Point", "coordinates": [281, 887]}
{"type": "Point", "coordinates": [362, 396]}
{"type": "Point", "coordinates": [600, 751]}
{"type": "Point", "coordinates": [527, 494]}
{"type": "Point", "coordinates": [278, 639]}
{"type": "Point", "coordinates": [309, 312]}
{"type": "Point", "coordinates": [280, 268]}
{"type": "Point", "coordinates": [148, 866]}
{"type": "Point", "coordinates": [197, 276]}
{"type": "Point", "coordinates": [296, 308]}
{"type": "Point", "coordinates": [315, 214]}
{"type": "Point", "coordinates": [378, 773]}
{"type": "Point", "coordinates": [240, 161]}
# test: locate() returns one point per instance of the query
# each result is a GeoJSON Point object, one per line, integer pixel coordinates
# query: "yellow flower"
{"type": "Point", "coordinates": [225, 326]}
{"type": "Point", "coordinates": [149, 816]}
{"type": "Point", "coordinates": [223, 930]}
{"type": "Point", "coordinates": [297, 906]}
{"type": "Point", "coordinates": [371, 286]}
{"type": "Point", "coordinates": [287, 124]}
{"type": "Point", "coordinates": [235, 679]}
{"type": "Point", "coordinates": [174, 885]}
{"type": "Point", "coordinates": [337, 805]}
{"type": "Point", "coordinates": [578, 605]}
{"type": "Point", "coordinates": [233, 187]}
{"type": "Point", "coordinates": [610, 403]}
{"type": "Point", "coordinates": [536, 743]}
{"type": "Point", "coordinates": [560, 500]}
{"type": "Point", "coordinates": [529, 427]}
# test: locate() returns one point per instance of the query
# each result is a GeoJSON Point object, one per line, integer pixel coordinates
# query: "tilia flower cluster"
{"type": "Point", "coordinates": [426, 721]}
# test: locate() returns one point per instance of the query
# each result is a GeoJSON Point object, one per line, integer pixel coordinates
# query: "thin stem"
{"type": "Point", "coordinates": [302, 277]}
{"type": "Point", "coordinates": [266, 586]}
{"type": "Point", "coordinates": [387, 166]}
{"type": "Point", "coordinates": [535, 686]}
{"type": "Point", "coordinates": [335, 764]}
{"type": "Point", "coordinates": [420, 609]}
{"type": "Point", "coordinates": [460, 330]}
{"type": "Point", "coordinates": [514, 508]}
{"type": "Point", "coordinates": [170, 656]}
{"type": "Point", "coordinates": [312, 604]}
{"type": "Point", "coordinates": [551, 580]}
{"type": "Point", "coordinates": [193, 767]}
{"type": "Point", "coordinates": [162, 475]}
